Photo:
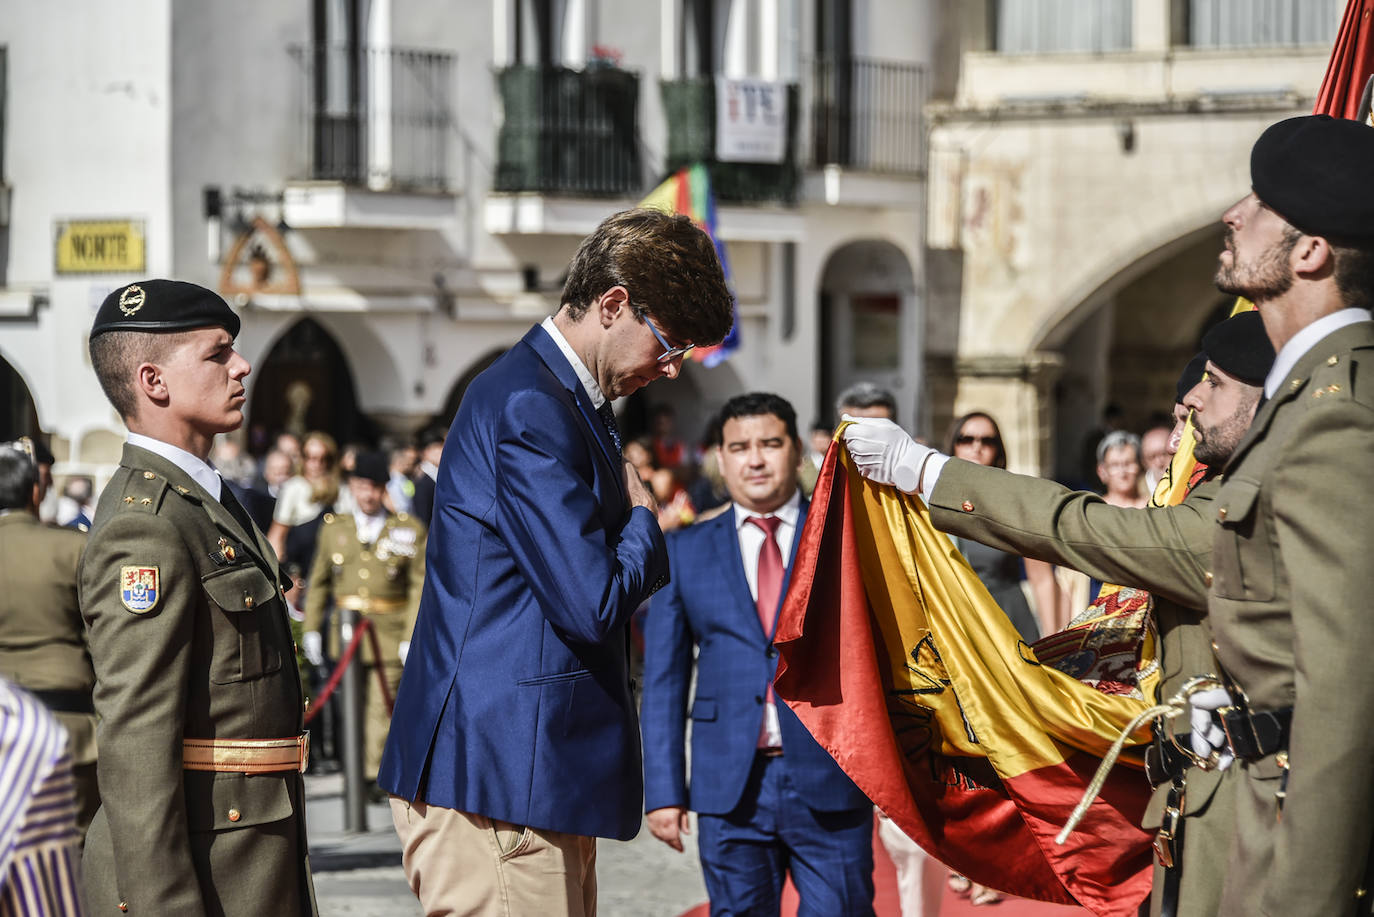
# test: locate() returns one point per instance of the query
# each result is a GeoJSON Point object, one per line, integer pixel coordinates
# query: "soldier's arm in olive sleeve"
{"type": "Point", "coordinates": [143, 667]}
{"type": "Point", "coordinates": [320, 589]}
{"type": "Point", "coordinates": [1166, 551]}
{"type": "Point", "coordinates": [1322, 513]}
{"type": "Point", "coordinates": [417, 580]}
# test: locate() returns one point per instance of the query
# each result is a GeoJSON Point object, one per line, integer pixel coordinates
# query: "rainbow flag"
{"type": "Point", "coordinates": [906, 671]}
{"type": "Point", "coordinates": [688, 191]}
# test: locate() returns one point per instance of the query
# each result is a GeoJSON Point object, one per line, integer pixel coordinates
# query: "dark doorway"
{"type": "Point", "coordinates": [445, 417]}
{"type": "Point", "coordinates": [305, 384]}
{"type": "Point", "coordinates": [18, 416]}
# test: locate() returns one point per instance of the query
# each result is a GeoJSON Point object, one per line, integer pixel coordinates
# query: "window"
{"type": "Point", "coordinates": [1054, 26]}
{"type": "Point", "coordinates": [1263, 23]}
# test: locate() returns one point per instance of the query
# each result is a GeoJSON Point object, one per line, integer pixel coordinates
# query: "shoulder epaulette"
{"type": "Point", "coordinates": [143, 491]}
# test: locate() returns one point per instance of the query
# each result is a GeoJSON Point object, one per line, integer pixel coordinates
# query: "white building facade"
{"type": "Point", "coordinates": [389, 191]}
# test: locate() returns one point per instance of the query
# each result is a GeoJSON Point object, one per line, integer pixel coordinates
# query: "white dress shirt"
{"type": "Point", "coordinates": [750, 541]}
{"type": "Point", "coordinates": [583, 374]}
{"type": "Point", "coordinates": [199, 470]}
{"type": "Point", "coordinates": [1307, 338]}
{"type": "Point", "coordinates": [369, 527]}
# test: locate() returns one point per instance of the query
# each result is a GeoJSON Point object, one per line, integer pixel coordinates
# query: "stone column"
{"type": "Point", "coordinates": [1018, 392]}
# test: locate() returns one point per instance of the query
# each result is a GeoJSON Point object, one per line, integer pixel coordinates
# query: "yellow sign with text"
{"type": "Point", "coordinates": [100, 247]}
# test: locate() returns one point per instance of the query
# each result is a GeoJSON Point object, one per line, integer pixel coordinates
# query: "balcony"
{"type": "Point", "coordinates": [689, 108]}
{"type": "Point", "coordinates": [376, 129]}
{"type": "Point", "coordinates": [568, 132]}
{"type": "Point", "coordinates": [866, 116]}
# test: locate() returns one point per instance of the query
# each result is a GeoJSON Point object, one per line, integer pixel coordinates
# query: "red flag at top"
{"type": "Point", "coordinates": [1351, 65]}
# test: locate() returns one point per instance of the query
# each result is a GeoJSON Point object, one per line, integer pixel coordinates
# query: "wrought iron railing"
{"type": "Point", "coordinates": [866, 115]}
{"type": "Point", "coordinates": [565, 131]}
{"type": "Point", "coordinates": [380, 117]}
{"type": "Point", "coordinates": [689, 108]}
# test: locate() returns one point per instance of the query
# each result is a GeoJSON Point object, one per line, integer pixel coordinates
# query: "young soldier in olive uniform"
{"type": "Point", "coordinates": [1167, 551]}
{"type": "Point", "coordinates": [373, 562]}
{"type": "Point", "coordinates": [1293, 570]}
{"type": "Point", "coordinates": [42, 639]}
{"type": "Point", "coordinates": [201, 749]}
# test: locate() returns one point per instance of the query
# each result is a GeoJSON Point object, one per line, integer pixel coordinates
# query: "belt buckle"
{"type": "Point", "coordinates": [1248, 745]}
{"type": "Point", "coordinates": [303, 749]}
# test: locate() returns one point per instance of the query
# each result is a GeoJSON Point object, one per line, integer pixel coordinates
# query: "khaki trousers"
{"type": "Point", "coordinates": [463, 865]}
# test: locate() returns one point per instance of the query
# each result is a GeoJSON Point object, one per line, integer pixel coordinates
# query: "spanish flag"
{"type": "Point", "coordinates": [902, 666]}
{"type": "Point", "coordinates": [688, 191]}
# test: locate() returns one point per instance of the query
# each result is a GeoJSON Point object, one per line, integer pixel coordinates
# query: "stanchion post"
{"type": "Point", "coordinates": [355, 783]}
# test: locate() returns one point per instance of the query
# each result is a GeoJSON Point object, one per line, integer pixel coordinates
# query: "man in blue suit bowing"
{"type": "Point", "coordinates": [769, 800]}
{"type": "Point", "coordinates": [515, 742]}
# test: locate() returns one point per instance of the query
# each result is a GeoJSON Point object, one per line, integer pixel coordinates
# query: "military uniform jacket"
{"type": "Point", "coordinates": [1290, 610]}
{"type": "Point", "coordinates": [389, 573]}
{"type": "Point", "coordinates": [1167, 551]}
{"type": "Point", "coordinates": [42, 637]}
{"type": "Point", "coordinates": [190, 638]}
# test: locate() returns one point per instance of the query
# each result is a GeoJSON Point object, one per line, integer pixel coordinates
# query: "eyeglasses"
{"type": "Point", "coordinates": [669, 352]}
{"type": "Point", "coordinates": [965, 440]}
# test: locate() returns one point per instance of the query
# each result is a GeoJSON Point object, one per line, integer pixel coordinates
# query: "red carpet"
{"type": "Point", "coordinates": [885, 902]}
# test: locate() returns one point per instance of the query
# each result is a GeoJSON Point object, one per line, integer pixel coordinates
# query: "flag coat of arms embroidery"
{"type": "Point", "coordinates": [138, 588]}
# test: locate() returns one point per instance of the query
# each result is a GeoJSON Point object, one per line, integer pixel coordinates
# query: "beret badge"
{"type": "Point", "coordinates": [132, 299]}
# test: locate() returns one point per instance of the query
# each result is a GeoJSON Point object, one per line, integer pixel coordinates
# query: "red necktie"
{"type": "Point", "coordinates": [769, 577]}
{"type": "Point", "coordinates": [770, 571]}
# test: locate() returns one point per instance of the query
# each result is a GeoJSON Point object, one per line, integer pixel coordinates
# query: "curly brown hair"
{"type": "Point", "coordinates": [667, 265]}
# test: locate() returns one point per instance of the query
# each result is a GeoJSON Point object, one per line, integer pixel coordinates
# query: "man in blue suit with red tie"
{"type": "Point", "coordinates": [769, 800]}
{"type": "Point", "coordinates": [515, 742]}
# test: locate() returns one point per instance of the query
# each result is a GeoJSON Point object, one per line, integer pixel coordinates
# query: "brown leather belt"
{"type": "Point", "coordinates": [370, 605]}
{"type": "Point", "coordinates": [246, 756]}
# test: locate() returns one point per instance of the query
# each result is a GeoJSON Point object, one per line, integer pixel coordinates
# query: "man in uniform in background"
{"type": "Point", "coordinates": [371, 561]}
{"type": "Point", "coordinates": [42, 639]}
{"type": "Point", "coordinates": [1166, 550]}
{"type": "Point", "coordinates": [201, 746]}
{"type": "Point", "coordinates": [1292, 574]}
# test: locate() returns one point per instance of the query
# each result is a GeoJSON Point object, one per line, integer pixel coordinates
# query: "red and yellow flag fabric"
{"type": "Point", "coordinates": [899, 662]}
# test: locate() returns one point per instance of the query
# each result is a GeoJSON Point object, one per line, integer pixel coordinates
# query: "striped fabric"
{"type": "Point", "coordinates": [40, 850]}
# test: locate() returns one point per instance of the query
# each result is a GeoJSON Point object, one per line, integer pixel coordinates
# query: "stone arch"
{"type": "Point", "coordinates": [1123, 344]}
{"type": "Point", "coordinates": [304, 382]}
{"type": "Point", "coordinates": [19, 414]}
{"type": "Point", "coordinates": [870, 324]}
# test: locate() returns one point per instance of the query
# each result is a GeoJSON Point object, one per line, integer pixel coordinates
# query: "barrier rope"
{"type": "Point", "coordinates": [364, 626]}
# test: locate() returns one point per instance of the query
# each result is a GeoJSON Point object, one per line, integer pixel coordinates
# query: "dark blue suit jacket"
{"type": "Point", "coordinates": [708, 603]}
{"type": "Point", "coordinates": [515, 703]}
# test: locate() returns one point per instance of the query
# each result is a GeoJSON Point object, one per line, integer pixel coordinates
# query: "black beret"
{"type": "Point", "coordinates": [164, 305]}
{"type": "Point", "coordinates": [1317, 172]}
{"type": "Point", "coordinates": [1192, 375]}
{"type": "Point", "coordinates": [371, 466]}
{"type": "Point", "coordinates": [1240, 347]}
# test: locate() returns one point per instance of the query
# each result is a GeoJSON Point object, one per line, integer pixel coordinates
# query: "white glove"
{"type": "Point", "coordinates": [403, 650]}
{"type": "Point", "coordinates": [884, 453]}
{"type": "Point", "coordinates": [313, 646]}
{"type": "Point", "coordinates": [1207, 736]}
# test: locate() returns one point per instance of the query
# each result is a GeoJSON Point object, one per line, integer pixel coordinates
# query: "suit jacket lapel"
{"type": "Point", "coordinates": [549, 353]}
{"type": "Point", "coordinates": [729, 559]}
